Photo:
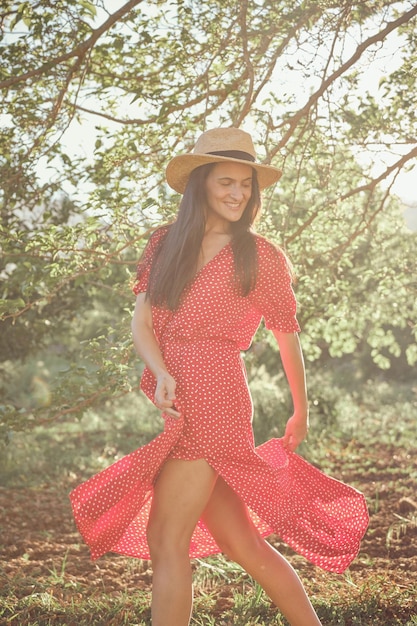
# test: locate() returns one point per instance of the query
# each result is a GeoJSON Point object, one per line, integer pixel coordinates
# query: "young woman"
{"type": "Point", "coordinates": [203, 285]}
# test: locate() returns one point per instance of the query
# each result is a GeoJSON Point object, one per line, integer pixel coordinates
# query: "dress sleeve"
{"type": "Point", "coordinates": [146, 260]}
{"type": "Point", "coordinates": [273, 295]}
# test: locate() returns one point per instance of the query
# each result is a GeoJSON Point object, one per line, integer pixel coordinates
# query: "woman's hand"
{"type": "Point", "coordinates": [295, 432]}
{"type": "Point", "coordinates": [165, 394]}
{"type": "Point", "coordinates": [148, 349]}
{"type": "Point", "coordinates": [293, 362]}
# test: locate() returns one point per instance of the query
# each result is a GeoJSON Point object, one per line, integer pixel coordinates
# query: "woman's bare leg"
{"type": "Point", "coordinates": [181, 493]}
{"type": "Point", "coordinates": [227, 519]}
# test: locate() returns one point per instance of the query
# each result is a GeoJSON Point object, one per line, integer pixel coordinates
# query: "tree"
{"type": "Point", "coordinates": [138, 84]}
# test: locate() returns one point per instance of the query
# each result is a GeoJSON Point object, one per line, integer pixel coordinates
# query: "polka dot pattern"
{"type": "Point", "coordinates": [318, 516]}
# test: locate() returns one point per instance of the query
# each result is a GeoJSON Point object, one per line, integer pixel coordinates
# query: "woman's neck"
{"type": "Point", "coordinates": [218, 227]}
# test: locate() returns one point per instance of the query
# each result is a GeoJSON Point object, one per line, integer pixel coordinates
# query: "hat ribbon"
{"type": "Point", "coordinates": [234, 154]}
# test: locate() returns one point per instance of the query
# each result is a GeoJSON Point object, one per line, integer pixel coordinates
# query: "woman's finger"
{"type": "Point", "coordinates": [172, 412]}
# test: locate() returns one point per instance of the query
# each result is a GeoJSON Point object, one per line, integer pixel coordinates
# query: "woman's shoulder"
{"type": "Point", "coordinates": [160, 231]}
{"type": "Point", "coordinates": [151, 248]}
{"type": "Point", "coordinates": [156, 237]}
{"type": "Point", "coordinates": [266, 246]}
{"type": "Point", "coordinates": [270, 253]}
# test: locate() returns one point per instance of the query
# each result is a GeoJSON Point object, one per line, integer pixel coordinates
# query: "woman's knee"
{"type": "Point", "coordinates": [239, 546]}
{"type": "Point", "coordinates": [228, 520]}
{"type": "Point", "coordinates": [153, 537]}
{"type": "Point", "coordinates": [167, 540]}
{"type": "Point", "coordinates": [180, 496]}
{"type": "Point", "coordinates": [168, 535]}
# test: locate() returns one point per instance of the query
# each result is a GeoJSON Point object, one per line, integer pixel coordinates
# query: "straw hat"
{"type": "Point", "coordinates": [219, 145]}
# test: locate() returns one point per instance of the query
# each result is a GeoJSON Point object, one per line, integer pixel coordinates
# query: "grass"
{"type": "Point", "coordinates": [43, 610]}
{"type": "Point", "coordinates": [376, 602]}
{"type": "Point", "coordinates": [400, 527]}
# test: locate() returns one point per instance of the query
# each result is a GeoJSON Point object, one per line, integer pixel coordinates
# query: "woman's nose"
{"type": "Point", "coordinates": [236, 192]}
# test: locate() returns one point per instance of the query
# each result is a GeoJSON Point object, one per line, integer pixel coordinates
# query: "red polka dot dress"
{"type": "Point", "coordinates": [318, 516]}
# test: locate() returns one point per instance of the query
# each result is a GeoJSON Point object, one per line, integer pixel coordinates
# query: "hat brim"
{"type": "Point", "coordinates": [180, 167]}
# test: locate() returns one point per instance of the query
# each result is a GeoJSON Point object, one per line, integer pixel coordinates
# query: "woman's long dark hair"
{"type": "Point", "coordinates": [176, 259]}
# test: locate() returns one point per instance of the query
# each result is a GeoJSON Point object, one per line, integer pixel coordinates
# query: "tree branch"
{"type": "Point", "coordinates": [368, 187]}
{"type": "Point", "coordinates": [83, 404]}
{"type": "Point", "coordinates": [219, 93]}
{"type": "Point", "coordinates": [303, 112]}
{"type": "Point", "coordinates": [248, 63]}
{"type": "Point", "coordinates": [360, 230]}
{"type": "Point", "coordinates": [79, 51]}
{"type": "Point", "coordinates": [102, 258]}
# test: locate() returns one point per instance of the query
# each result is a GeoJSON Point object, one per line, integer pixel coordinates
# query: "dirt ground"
{"type": "Point", "coordinates": [39, 542]}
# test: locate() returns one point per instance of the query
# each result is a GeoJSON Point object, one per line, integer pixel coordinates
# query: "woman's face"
{"type": "Point", "coordinates": [228, 190]}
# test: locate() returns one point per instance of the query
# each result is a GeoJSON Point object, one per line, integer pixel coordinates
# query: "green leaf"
{"type": "Point", "coordinates": [88, 6]}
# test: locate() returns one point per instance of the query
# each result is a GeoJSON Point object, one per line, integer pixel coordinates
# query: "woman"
{"type": "Point", "coordinates": [203, 286]}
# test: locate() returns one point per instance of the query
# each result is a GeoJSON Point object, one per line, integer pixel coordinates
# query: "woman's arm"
{"type": "Point", "coordinates": [147, 348]}
{"type": "Point", "coordinates": [293, 362]}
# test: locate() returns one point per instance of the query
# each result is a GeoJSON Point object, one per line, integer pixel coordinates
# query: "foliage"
{"type": "Point", "coordinates": [95, 103]}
